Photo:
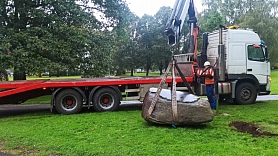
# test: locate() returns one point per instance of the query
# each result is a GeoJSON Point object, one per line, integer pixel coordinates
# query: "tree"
{"type": "Point", "coordinates": [161, 49]}
{"type": "Point", "coordinates": [39, 33]}
{"type": "Point", "coordinates": [145, 29]}
{"type": "Point", "coordinates": [125, 41]}
{"type": "Point", "coordinates": [210, 21]}
{"type": "Point", "coordinates": [261, 20]}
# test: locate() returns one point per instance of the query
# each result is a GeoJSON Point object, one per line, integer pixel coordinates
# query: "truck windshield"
{"type": "Point", "coordinates": [255, 54]}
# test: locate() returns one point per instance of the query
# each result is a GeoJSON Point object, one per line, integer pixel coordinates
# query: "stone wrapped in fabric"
{"type": "Point", "coordinates": [192, 110]}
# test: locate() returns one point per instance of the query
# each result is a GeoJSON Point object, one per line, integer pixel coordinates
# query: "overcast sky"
{"type": "Point", "coordinates": [150, 7]}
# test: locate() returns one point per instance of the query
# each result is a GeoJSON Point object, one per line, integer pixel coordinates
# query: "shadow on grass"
{"type": "Point", "coordinates": [194, 126]}
{"type": "Point", "coordinates": [11, 110]}
{"type": "Point", "coordinates": [121, 108]}
{"type": "Point", "coordinates": [130, 108]}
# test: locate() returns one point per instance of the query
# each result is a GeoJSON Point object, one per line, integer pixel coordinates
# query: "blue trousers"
{"type": "Point", "coordinates": [210, 95]}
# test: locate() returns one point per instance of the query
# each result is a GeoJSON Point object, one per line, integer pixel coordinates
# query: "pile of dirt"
{"type": "Point", "coordinates": [250, 128]}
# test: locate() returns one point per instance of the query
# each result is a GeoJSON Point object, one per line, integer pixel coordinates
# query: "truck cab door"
{"type": "Point", "coordinates": [257, 64]}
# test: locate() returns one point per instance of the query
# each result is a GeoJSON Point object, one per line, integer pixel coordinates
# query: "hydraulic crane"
{"type": "Point", "coordinates": [176, 21]}
{"type": "Point", "coordinates": [174, 28]}
{"type": "Point", "coordinates": [173, 31]}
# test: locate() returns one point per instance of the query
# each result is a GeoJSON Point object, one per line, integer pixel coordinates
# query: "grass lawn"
{"type": "Point", "coordinates": [125, 133]}
{"type": "Point", "coordinates": [274, 82]}
{"type": "Point", "coordinates": [47, 77]}
{"type": "Point", "coordinates": [144, 74]}
{"type": "Point", "coordinates": [39, 100]}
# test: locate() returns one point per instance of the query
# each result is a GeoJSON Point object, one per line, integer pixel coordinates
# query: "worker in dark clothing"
{"type": "Point", "coordinates": [208, 73]}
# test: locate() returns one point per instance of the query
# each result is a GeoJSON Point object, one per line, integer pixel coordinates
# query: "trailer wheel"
{"type": "Point", "coordinates": [246, 93]}
{"type": "Point", "coordinates": [106, 99]}
{"type": "Point", "coordinates": [68, 101]}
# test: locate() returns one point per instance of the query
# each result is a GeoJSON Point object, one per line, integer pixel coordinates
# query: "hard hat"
{"type": "Point", "coordinates": [207, 63]}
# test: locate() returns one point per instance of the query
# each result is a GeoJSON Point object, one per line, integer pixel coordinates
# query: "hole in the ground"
{"type": "Point", "coordinates": [250, 128]}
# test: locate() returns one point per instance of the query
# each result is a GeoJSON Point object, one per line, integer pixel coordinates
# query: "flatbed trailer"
{"type": "Point", "coordinates": [70, 95]}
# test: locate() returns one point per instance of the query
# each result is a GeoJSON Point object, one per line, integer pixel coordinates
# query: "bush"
{"type": "Point", "coordinates": [4, 75]}
{"type": "Point", "coordinates": [274, 67]}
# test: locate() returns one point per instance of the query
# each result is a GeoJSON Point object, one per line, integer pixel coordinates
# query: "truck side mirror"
{"type": "Point", "coordinates": [266, 53]}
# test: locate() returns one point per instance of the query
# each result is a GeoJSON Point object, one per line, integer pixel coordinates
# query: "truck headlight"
{"type": "Point", "coordinates": [269, 79]}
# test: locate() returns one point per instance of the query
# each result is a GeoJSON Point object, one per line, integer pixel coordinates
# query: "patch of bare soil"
{"type": "Point", "coordinates": [20, 151]}
{"type": "Point", "coordinates": [251, 128]}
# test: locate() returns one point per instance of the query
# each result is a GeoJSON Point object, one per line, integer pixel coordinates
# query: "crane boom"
{"type": "Point", "coordinates": [175, 23]}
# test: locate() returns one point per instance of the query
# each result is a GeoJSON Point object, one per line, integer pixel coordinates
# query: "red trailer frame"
{"type": "Point", "coordinates": [83, 90]}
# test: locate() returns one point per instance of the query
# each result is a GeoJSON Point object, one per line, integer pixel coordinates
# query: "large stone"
{"type": "Point", "coordinates": [192, 110]}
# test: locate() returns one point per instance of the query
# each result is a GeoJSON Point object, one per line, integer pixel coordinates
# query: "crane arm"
{"type": "Point", "coordinates": [175, 23]}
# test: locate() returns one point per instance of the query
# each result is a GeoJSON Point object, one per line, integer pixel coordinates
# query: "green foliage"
{"type": "Point", "coordinates": [101, 37]}
{"type": "Point", "coordinates": [41, 35]}
{"type": "Point", "coordinates": [210, 20]}
{"type": "Point", "coordinates": [124, 46]}
{"type": "Point", "coordinates": [150, 49]}
{"type": "Point", "coordinates": [259, 15]}
{"type": "Point", "coordinates": [147, 47]}
{"type": "Point", "coordinates": [161, 50]}
{"type": "Point", "coordinates": [145, 40]}
{"type": "Point", "coordinates": [266, 28]}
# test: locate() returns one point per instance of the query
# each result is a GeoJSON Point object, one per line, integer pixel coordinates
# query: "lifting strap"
{"type": "Point", "coordinates": [174, 94]}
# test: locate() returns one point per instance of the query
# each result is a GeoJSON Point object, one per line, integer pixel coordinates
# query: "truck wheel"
{"type": "Point", "coordinates": [246, 93]}
{"type": "Point", "coordinates": [106, 99]}
{"type": "Point", "coordinates": [68, 101]}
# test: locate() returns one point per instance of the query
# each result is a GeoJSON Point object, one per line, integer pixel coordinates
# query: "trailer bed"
{"type": "Point", "coordinates": [14, 87]}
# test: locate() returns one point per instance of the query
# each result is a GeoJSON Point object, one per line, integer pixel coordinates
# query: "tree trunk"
{"type": "Point", "coordinates": [40, 74]}
{"type": "Point", "coordinates": [166, 63]}
{"type": "Point", "coordinates": [148, 67]}
{"type": "Point", "coordinates": [160, 68]}
{"type": "Point", "coordinates": [131, 72]}
{"type": "Point", "coordinates": [58, 72]}
{"type": "Point", "coordinates": [120, 72]}
{"type": "Point", "coordinates": [19, 73]}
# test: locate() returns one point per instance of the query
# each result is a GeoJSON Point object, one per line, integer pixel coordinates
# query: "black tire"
{"type": "Point", "coordinates": [246, 93]}
{"type": "Point", "coordinates": [106, 99]}
{"type": "Point", "coordinates": [68, 101]}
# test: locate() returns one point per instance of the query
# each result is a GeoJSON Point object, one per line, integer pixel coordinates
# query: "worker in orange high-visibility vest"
{"type": "Point", "coordinates": [208, 73]}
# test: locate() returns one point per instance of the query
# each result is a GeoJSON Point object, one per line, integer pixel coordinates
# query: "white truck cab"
{"type": "Point", "coordinates": [247, 68]}
{"type": "Point", "coordinates": [241, 58]}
